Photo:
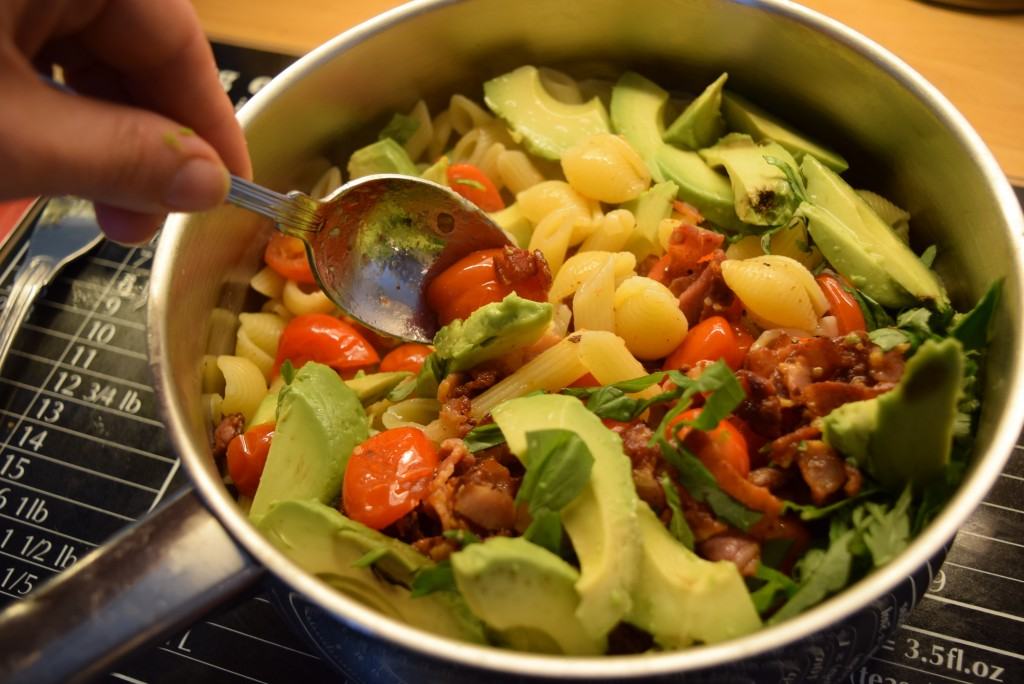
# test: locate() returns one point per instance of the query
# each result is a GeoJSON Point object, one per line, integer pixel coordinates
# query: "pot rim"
{"type": "Point", "coordinates": [852, 599]}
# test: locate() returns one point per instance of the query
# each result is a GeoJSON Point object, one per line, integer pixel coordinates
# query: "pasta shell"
{"type": "Point", "coordinates": [611, 232]}
{"type": "Point", "coordinates": [578, 268]}
{"type": "Point", "coordinates": [604, 167]}
{"type": "Point", "coordinates": [647, 318]}
{"type": "Point", "coordinates": [777, 291]}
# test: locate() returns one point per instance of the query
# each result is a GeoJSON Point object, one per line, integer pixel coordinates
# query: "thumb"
{"type": "Point", "coordinates": [129, 158]}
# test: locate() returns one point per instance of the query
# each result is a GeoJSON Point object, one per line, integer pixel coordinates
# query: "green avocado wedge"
{"type": "Point", "coordinates": [681, 598]}
{"type": "Point", "coordinates": [701, 123]}
{"type": "Point", "coordinates": [547, 126]}
{"type": "Point", "coordinates": [637, 111]}
{"type": "Point", "coordinates": [319, 421]}
{"type": "Point", "coordinates": [491, 331]}
{"type": "Point", "coordinates": [905, 435]}
{"type": "Point", "coordinates": [763, 196]}
{"type": "Point", "coordinates": [336, 549]}
{"type": "Point", "coordinates": [526, 594]}
{"type": "Point", "coordinates": [863, 247]}
{"type": "Point", "coordinates": [744, 116]}
{"type": "Point", "coordinates": [601, 521]}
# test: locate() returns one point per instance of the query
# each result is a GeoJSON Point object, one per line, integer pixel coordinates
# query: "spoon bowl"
{"type": "Point", "coordinates": [376, 242]}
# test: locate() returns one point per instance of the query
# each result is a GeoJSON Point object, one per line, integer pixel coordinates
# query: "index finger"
{"type": "Point", "coordinates": [166, 64]}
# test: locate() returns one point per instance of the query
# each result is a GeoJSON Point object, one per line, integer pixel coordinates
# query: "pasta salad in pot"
{"type": "Point", "coordinates": [709, 385]}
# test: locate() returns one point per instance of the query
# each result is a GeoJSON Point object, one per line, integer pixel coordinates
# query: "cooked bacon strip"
{"type": "Point", "coordinates": [229, 427]}
{"type": "Point", "coordinates": [736, 548]}
{"type": "Point", "coordinates": [526, 272]}
{"type": "Point", "coordinates": [822, 470]}
{"type": "Point", "coordinates": [486, 496]}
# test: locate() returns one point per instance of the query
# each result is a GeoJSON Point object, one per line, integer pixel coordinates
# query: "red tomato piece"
{"type": "Point", "coordinates": [723, 451]}
{"type": "Point", "coordinates": [287, 256]}
{"type": "Point", "coordinates": [324, 339]}
{"type": "Point", "coordinates": [387, 476]}
{"type": "Point", "coordinates": [710, 340]}
{"type": "Point", "coordinates": [723, 442]}
{"type": "Point", "coordinates": [465, 286]}
{"type": "Point", "coordinates": [475, 186]}
{"type": "Point", "coordinates": [405, 357]}
{"type": "Point", "coordinates": [247, 454]}
{"type": "Point", "coordinates": [842, 304]}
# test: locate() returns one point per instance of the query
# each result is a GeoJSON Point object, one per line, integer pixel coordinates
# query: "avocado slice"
{"type": "Point", "coordinates": [548, 126]}
{"type": "Point", "coordinates": [637, 110]}
{"type": "Point", "coordinates": [375, 386]}
{"type": "Point", "coordinates": [327, 544]}
{"type": "Point", "coordinates": [744, 116]}
{"type": "Point", "coordinates": [601, 521]}
{"type": "Point", "coordinates": [526, 594]}
{"type": "Point", "coordinates": [763, 195]}
{"type": "Point", "coordinates": [383, 156]}
{"type": "Point", "coordinates": [701, 123]}
{"type": "Point", "coordinates": [863, 247]}
{"type": "Point", "coordinates": [319, 422]}
{"type": "Point", "coordinates": [681, 598]}
{"type": "Point", "coordinates": [266, 412]}
{"type": "Point", "coordinates": [649, 209]}
{"type": "Point", "coordinates": [905, 435]}
{"type": "Point", "coordinates": [491, 331]}
{"type": "Point", "coordinates": [512, 220]}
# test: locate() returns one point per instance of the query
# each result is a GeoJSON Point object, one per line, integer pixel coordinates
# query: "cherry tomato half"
{"type": "Point", "coordinates": [405, 357]}
{"type": "Point", "coordinates": [474, 185]}
{"type": "Point", "coordinates": [842, 304]}
{"type": "Point", "coordinates": [324, 339]}
{"type": "Point", "coordinates": [247, 454]}
{"type": "Point", "coordinates": [387, 476]}
{"type": "Point", "coordinates": [723, 451]}
{"type": "Point", "coordinates": [723, 442]}
{"type": "Point", "coordinates": [711, 339]}
{"type": "Point", "coordinates": [287, 256]}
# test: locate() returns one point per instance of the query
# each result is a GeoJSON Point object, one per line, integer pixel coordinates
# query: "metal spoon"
{"type": "Point", "coordinates": [376, 242]}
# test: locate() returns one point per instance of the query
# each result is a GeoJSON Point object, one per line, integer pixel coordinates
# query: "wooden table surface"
{"type": "Point", "coordinates": [976, 59]}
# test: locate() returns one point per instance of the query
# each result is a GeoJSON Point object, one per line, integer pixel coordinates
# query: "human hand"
{"type": "Point", "coordinates": [148, 129]}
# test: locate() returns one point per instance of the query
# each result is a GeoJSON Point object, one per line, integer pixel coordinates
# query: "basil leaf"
{"type": "Point", "coordinates": [370, 557]}
{"type": "Point", "coordinates": [287, 371]}
{"type": "Point", "coordinates": [875, 316]}
{"type": "Point", "coordinates": [433, 578]}
{"type": "Point", "coordinates": [426, 381]}
{"type": "Point", "coordinates": [483, 437]}
{"type": "Point", "coordinates": [809, 512]}
{"type": "Point", "coordinates": [890, 338]}
{"type": "Point", "coordinates": [701, 485]}
{"type": "Point", "coordinates": [677, 524]}
{"type": "Point", "coordinates": [974, 328]}
{"type": "Point", "coordinates": [558, 466]}
{"type": "Point", "coordinates": [546, 530]}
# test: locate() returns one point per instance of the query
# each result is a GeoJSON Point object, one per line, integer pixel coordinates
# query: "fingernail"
{"type": "Point", "coordinates": [198, 184]}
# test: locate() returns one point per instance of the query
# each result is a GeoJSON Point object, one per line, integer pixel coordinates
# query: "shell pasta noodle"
{"type": "Point", "coordinates": [674, 410]}
{"type": "Point", "coordinates": [244, 385]}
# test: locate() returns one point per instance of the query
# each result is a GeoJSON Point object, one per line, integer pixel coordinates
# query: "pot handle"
{"type": "Point", "coordinates": [155, 577]}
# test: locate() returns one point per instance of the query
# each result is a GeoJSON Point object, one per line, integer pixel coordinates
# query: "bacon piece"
{"type": "Point", "coordinates": [455, 416]}
{"type": "Point", "coordinates": [486, 496]}
{"type": "Point", "coordinates": [229, 427]}
{"type": "Point", "coordinates": [739, 549]}
{"type": "Point", "coordinates": [696, 296]}
{"type": "Point", "coordinates": [526, 272]}
{"type": "Point", "coordinates": [821, 398]}
{"type": "Point", "coordinates": [440, 499]}
{"type": "Point", "coordinates": [822, 470]}
{"type": "Point", "coordinates": [436, 549]}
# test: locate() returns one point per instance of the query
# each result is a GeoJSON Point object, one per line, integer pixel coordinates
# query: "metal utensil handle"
{"type": "Point", "coordinates": [295, 213]}
{"type": "Point", "coordinates": [154, 578]}
{"type": "Point", "coordinates": [31, 278]}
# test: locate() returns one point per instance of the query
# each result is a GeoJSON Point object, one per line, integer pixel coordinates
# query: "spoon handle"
{"type": "Point", "coordinates": [294, 213]}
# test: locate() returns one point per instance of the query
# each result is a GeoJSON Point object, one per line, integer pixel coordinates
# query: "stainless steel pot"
{"type": "Point", "coordinates": [903, 138]}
